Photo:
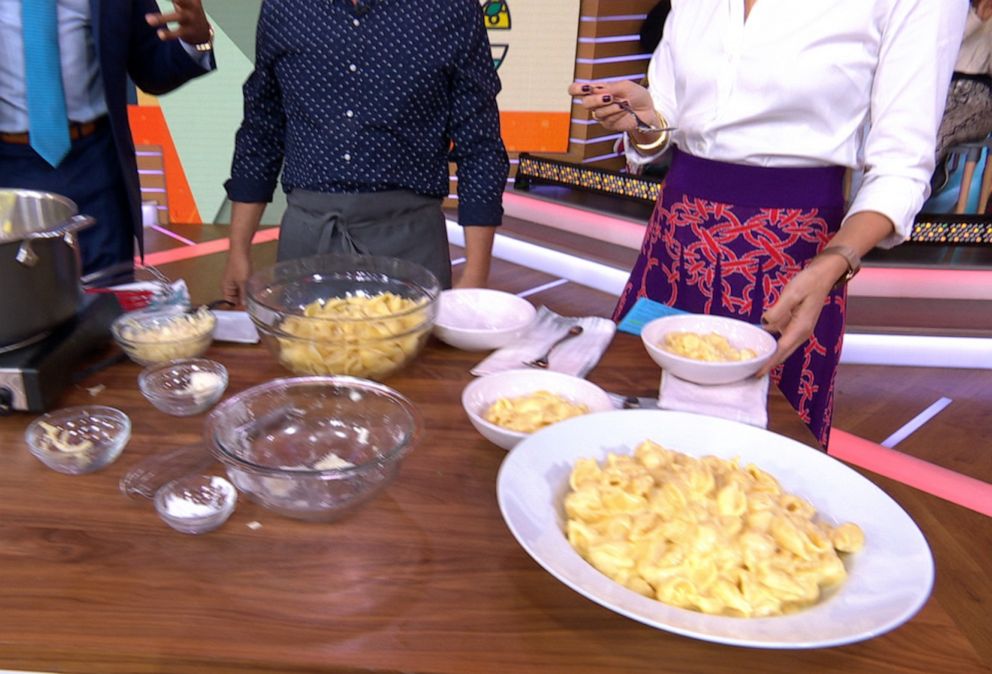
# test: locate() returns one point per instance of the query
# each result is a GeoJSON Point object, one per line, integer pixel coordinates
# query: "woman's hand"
{"type": "Point", "coordinates": [601, 101]}
{"type": "Point", "coordinates": [798, 308]}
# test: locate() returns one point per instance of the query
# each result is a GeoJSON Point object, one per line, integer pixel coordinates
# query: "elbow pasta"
{"type": "Point", "coordinates": [703, 534]}
{"type": "Point", "coordinates": [530, 412]}
{"type": "Point", "coordinates": [712, 347]}
{"type": "Point", "coordinates": [359, 335]}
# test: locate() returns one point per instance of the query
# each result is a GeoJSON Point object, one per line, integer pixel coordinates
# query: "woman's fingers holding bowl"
{"type": "Point", "coordinates": [793, 317]}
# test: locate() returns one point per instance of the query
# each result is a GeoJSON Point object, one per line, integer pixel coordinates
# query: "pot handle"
{"type": "Point", "coordinates": [67, 230]}
{"type": "Point", "coordinates": [70, 226]}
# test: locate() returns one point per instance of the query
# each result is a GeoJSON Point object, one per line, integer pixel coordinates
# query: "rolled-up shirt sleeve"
{"type": "Point", "coordinates": [661, 85]}
{"type": "Point", "coordinates": [907, 101]}
{"type": "Point", "coordinates": [259, 144]}
{"type": "Point", "coordinates": [478, 151]}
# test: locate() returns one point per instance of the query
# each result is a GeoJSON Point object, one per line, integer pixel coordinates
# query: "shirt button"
{"type": "Point", "coordinates": [355, 22]}
{"type": "Point", "coordinates": [347, 157]}
{"type": "Point", "coordinates": [349, 114]}
{"type": "Point", "coordinates": [352, 67]}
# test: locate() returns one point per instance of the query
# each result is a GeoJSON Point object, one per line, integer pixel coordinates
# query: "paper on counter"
{"type": "Point", "coordinates": [745, 401]}
{"type": "Point", "coordinates": [235, 326]}
{"type": "Point", "coordinates": [576, 356]}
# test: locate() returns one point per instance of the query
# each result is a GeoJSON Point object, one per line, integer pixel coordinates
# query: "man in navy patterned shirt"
{"type": "Point", "coordinates": [361, 104]}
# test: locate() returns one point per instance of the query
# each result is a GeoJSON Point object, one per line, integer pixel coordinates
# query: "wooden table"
{"type": "Point", "coordinates": [426, 578]}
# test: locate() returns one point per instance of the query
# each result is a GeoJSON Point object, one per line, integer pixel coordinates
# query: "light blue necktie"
{"type": "Point", "coordinates": [48, 123]}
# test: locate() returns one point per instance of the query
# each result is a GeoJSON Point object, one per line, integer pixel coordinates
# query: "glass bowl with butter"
{"type": "Point", "coordinates": [184, 387]}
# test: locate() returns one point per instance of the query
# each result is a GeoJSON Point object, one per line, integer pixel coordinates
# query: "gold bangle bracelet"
{"type": "Point", "coordinates": [655, 144]}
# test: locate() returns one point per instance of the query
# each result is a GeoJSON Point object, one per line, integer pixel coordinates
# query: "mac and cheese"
{"type": "Point", "coordinates": [712, 347]}
{"type": "Point", "coordinates": [530, 412]}
{"type": "Point", "coordinates": [703, 534]}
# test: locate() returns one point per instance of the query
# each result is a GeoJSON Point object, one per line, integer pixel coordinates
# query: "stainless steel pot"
{"type": "Point", "coordinates": [39, 263]}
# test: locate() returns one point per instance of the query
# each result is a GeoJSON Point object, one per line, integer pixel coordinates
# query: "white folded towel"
{"type": "Point", "coordinates": [576, 356]}
{"type": "Point", "coordinates": [745, 401]}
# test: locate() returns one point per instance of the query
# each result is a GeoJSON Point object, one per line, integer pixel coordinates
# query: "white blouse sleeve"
{"type": "Point", "coordinates": [907, 102]}
{"type": "Point", "coordinates": [661, 85]}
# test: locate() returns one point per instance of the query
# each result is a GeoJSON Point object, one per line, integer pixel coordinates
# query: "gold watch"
{"type": "Point", "coordinates": [206, 46]}
{"type": "Point", "coordinates": [850, 256]}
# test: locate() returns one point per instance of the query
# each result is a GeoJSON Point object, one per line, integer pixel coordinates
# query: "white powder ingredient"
{"type": "Point", "coordinates": [209, 501]}
{"type": "Point", "coordinates": [331, 461]}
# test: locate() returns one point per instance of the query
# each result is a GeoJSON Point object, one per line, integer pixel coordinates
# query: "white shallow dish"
{"type": "Point", "coordinates": [740, 334]}
{"type": "Point", "coordinates": [888, 581]}
{"type": "Point", "coordinates": [481, 319]}
{"type": "Point", "coordinates": [484, 391]}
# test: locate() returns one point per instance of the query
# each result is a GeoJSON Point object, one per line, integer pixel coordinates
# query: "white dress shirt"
{"type": "Point", "coordinates": [84, 94]}
{"type": "Point", "coordinates": [855, 83]}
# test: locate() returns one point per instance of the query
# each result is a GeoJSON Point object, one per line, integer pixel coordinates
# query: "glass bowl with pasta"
{"type": "Point", "coordinates": [313, 448]}
{"type": "Point", "coordinates": [356, 315]}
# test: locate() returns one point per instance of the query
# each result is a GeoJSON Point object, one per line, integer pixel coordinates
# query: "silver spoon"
{"type": "Point", "coordinates": [542, 362]}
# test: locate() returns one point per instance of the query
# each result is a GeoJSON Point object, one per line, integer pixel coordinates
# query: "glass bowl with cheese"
{"type": "Point", "coordinates": [353, 315]}
{"type": "Point", "coordinates": [706, 349]}
{"type": "Point", "coordinates": [313, 448]}
{"type": "Point", "coordinates": [184, 387]}
{"type": "Point", "coordinates": [150, 337]}
{"type": "Point", "coordinates": [506, 407]}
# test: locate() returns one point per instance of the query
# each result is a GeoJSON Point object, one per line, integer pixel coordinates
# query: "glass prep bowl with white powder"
{"type": "Point", "coordinates": [196, 504]}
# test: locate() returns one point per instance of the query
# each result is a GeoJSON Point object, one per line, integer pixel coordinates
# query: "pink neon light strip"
{"type": "Point", "coordinates": [943, 483]}
{"type": "Point", "coordinates": [205, 248]}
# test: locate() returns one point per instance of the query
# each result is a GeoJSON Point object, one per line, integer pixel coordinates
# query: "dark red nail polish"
{"type": "Point", "coordinates": [607, 98]}
{"type": "Point", "coordinates": [586, 88]}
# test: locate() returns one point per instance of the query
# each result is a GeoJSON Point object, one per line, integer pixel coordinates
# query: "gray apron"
{"type": "Point", "coordinates": [397, 223]}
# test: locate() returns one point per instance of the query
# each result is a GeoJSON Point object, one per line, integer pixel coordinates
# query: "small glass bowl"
{"type": "Point", "coordinates": [77, 440]}
{"type": "Point", "coordinates": [183, 388]}
{"type": "Point", "coordinates": [196, 504]}
{"type": "Point", "coordinates": [150, 337]}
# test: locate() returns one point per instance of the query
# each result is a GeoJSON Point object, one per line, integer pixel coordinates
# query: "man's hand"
{"type": "Point", "coordinates": [192, 25]}
{"type": "Point", "coordinates": [236, 273]}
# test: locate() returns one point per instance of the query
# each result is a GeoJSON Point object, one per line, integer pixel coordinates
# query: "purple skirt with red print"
{"type": "Point", "coordinates": [724, 239]}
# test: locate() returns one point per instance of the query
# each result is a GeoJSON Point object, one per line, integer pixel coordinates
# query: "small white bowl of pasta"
{"type": "Point", "coordinates": [481, 319]}
{"type": "Point", "coordinates": [506, 407]}
{"type": "Point", "coordinates": [707, 349]}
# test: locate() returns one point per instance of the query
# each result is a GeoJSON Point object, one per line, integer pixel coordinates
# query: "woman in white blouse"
{"type": "Point", "coordinates": [772, 101]}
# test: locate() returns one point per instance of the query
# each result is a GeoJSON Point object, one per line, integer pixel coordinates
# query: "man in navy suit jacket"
{"type": "Point", "coordinates": [101, 43]}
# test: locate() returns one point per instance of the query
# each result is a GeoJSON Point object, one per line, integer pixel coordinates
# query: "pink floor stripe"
{"type": "Point", "coordinates": [946, 484]}
{"type": "Point", "coordinates": [205, 248]}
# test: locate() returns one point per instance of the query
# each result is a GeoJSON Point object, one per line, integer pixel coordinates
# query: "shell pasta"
{"type": "Point", "coordinates": [359, 335]}
{"type": "Point", "coordinates": [704, 534]}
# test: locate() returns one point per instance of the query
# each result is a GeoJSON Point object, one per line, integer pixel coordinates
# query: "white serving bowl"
{"type": "Point", "coordinates": [740, 334]}
{"type": "Point", "coordinates": [484, 391]}
{"type": "Point", "coordinates": [480, 319]}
